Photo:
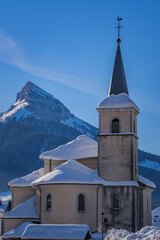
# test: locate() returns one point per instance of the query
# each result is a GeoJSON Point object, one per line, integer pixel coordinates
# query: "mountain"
{"type": "Point", "coordinates": [149, 167]}
{"type": "Point", "coordinates": [38, 122]}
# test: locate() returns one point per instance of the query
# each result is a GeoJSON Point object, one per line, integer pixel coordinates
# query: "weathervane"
{"type": "Point", "coordinates": [118, 27]}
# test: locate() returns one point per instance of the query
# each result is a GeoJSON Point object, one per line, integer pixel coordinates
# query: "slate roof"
{"type": "Point", "coordinates": [118, 81]}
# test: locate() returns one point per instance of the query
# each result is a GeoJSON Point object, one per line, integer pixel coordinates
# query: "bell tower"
{"type": "Point", "coordinates": [117, 138]}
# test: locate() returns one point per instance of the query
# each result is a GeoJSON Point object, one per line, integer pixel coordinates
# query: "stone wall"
{"type": "Point", "coordinates": [21, 194]}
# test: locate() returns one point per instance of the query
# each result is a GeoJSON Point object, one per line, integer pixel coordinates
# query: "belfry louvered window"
{"type": "Point", "coordinates": [81, 203]}
{"type": "Point", "coordinates": [115, 125]}
{"type": "Point", "coordinates": [49, 202]}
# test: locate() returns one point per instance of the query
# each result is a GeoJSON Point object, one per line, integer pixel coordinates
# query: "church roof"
{"type": "Point", "coordinates": [75, 172]}
{"type": "Point", "coordinates": [121, 100]}
{"type": "Point", "coordinates": [118, 81]}
{"type": "Point", "coordinates": [146, 182]}
{"type": "Point", "coordinates": [25, 210]}
{"type": "Point", "coordinates": [26, 181]}
{"type": "Point", "coordinates": [57, 231]}
{"type": "Point", "coordinates": [70, 172]}
{"type": "Point", "coordinates": [81, 147]}
{"type": "Point", "coordinates": [17, 232]}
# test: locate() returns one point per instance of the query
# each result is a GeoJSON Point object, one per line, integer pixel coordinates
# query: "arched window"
{"type": "Point", "coordinates": [115, 125]}
{"type": "Point", "coordinates": [115, 201]}
{"type": "Point", "coordinates": [48, 207]}
{"type": "Point", "coordinates": [81, 203]}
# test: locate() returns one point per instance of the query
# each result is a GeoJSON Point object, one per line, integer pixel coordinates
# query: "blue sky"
{"type": "Point", "coordinates": [68, 47]}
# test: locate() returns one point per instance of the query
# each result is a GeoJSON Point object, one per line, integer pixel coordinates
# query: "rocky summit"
{"type": "Point", "coordinates": [36, 122]}
{"type": "Point", "coordinates": [34, 103]}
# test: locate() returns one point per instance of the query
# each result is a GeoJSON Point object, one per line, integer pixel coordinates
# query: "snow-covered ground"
{"type": "Point", "coordinates": [146, 233]}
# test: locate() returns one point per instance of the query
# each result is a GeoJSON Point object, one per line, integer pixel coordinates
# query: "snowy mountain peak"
{"type": "Point", "coordinates": [30, 90]}
{"type": "Point", "coordinates": [33, 103]}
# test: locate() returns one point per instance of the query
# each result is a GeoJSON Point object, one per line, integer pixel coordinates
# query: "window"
{"type": "Point", "coordinates": [134, 127]}
{"type": "Point", "coordinates": [115, 201]}
{"type": "Point", "coordinates": [48, 207]}
{"type": "Point", "coordinates": [81, 203]}
{"type": "Point", "coordinates": [115, 125]}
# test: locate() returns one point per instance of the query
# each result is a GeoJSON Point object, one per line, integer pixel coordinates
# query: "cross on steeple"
{"type": "Point", "coordinates": [118, 81]}
{"type": "Point", "coordinates": [118, 27]}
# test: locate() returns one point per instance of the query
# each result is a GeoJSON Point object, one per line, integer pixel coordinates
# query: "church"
{"type": "Point", "coordinates": [88, 183]}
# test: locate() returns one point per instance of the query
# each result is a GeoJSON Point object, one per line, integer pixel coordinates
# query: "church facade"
{"type": "Point", "coordinates": [85, 182]}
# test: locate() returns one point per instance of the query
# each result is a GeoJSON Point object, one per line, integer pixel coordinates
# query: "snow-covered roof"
{"type": "Point", "coordinates": [17, 232]}
{"type": "Point", "coordinates": [24, 210]}
{"type": "Point", "coordinates": [146, 182]}
{"type": "Point", "coordinates": [156, 217]}
{"type": "Point", "coordinates": [70, 172]}
{"type": "Point", "coordinates": [26, 180]}
{"type": "Point", "coordinates": [156, 211]}
{"type": "Point", "coordinates": [121, 100]}
{"type": "Point", "coordinates": [75, 172]}
{"type": "Point", "coordinates": [55, 231]}
{"type": "Point", "coordinates": [82, 147]}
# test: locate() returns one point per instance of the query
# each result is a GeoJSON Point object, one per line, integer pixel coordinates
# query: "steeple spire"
{"type": "Point", "coordinates": [118, 81]}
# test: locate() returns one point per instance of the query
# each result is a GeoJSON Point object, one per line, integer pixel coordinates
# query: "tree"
{"type": "Point", "coordinates": [8, 206]}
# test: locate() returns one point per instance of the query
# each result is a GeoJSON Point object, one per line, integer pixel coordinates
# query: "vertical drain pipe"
{"type": "Point", "coordinates": [97, 207]}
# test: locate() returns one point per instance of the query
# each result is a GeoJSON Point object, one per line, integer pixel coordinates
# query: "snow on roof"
{"type": "Point", "coordinates": [146, 182]}
{"type": "Point", "coordinates": [24, 210]}
{"type": "Point", "coordinates": [17, 232]}
{"type": "Point", "coordinates": [81, 147]}
{"type": "Point", "coordinates": [70, 172]}
{"type": "Point", "coordinates": [156, 211]}
{"type": "Point", "coordinates": [121, 100]}
{"type": "Point", "coordinates": [75, 172]}
{"type": "Point", "coordinates": [55, 231]}
{"type": "Point", "coordinates": [26, 180]}
{"type": "Point", "coordinates": [156, 217]}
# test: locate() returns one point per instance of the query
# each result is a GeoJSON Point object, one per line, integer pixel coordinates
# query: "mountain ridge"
{"type": "Point", "coordinates": [33, 101]}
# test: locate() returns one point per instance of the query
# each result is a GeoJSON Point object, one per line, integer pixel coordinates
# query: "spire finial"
{"type": "Point", "coordinates": [118, 27]}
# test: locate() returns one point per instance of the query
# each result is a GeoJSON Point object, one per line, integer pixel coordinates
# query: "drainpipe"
{"type": "Point", "coordinates": [50, 165]}
{"type": "Point", "coordinates": [39, 203]}
{"type": "Point", "coordinates": [97, 206]}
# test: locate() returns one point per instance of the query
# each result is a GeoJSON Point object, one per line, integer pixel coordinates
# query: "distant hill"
{"type": "Point", "coordinates": [38, 122]}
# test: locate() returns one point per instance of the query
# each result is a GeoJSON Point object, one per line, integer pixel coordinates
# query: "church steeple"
{"type": "Point", "coordinates": [118, 81]}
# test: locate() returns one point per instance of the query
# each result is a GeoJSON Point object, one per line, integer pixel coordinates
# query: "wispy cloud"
{"type": "Point", "coordinates": [12, 53]}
